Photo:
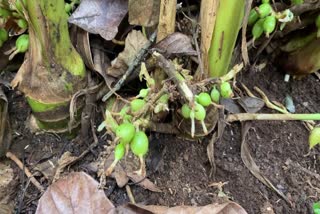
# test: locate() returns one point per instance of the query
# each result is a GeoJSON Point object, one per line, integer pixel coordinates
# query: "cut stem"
{"type": "Point", "coordinates": [111, 167]}
{"type": "Point", "coordinates": [249, 116]}
{"type": "Point", "coordinates": [205, 130]}
{"type": "Point", "coordinates": [142, 170]}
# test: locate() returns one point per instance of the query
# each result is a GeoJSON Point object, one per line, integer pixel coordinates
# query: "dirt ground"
{"type": "Point", "coordinates": [183, 172]}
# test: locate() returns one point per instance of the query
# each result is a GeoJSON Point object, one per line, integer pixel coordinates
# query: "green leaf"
{"type": "Point", "coordinates": [316, 208]}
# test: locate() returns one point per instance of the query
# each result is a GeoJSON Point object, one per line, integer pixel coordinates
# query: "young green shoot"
{"type": "Point", "coordinates": [110, 121]}
{"type": "Point", "coordinates": [139, 146]}
{"type": "Point", "coordinates": [257, 29]}
{"type": "Point", "coordinates": [125, 132]}
{"type": "Point", "coordinates": [264, 10]}
{"type": "Point", "coordinates": [185, 111]}
{"type": "Point", "coordinates": [119, 152]}
{"type": "Point", "coordinates": [205, 100]}
{"type": "Point", "coordinates": [269, 25]}
{"type": "Point", "coordinates": [226, 90]}
{"type": "Point", "coordinates": [200, 114]}
{"type": "Point", "coordinates": [3, 35]}
{"type": "Point", "coordinates": [137, 105]}
{"type": "Point", "coordinates": [253, 17]}
{"type": "Point", "coordinates": [215, 95]}
{"type": "Point", "coordinates": [314, 137]}
{"type": "Point", "coordinates": [316, 208]}
{"type": "Point", "coordinates": [22, 45]}
{"type": "Point", "coordinates": [162, 104]}
{"type": "Point", "coordinates": [22, 23]}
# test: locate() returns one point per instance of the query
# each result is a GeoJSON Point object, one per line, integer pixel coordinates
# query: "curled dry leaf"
{"type": "Point", "coordinates": [176, 44]}
{"type": "Point", "coordinates": [5, 134]}
{"type": "Point", "coordinates": [251, 104]}
{"type": "Point", "coordinates": [144, 12]}
{"type": "Point", "coordinates": [225, 208]}
{"type": "Point", "coordinates": [133, 44]}
{"type": "Point", "coordinates": [48, 168]}
{"type": "Point", "coordinates": [100, 16]}
{"type": "Point", "coordinates": [124, 171]}
{"type": "Point", "coordinates": [251, 164]}
{"type": "Point", "coordinates": [143, 182]}
{"type": "Point", "coordinates": [77, 193]}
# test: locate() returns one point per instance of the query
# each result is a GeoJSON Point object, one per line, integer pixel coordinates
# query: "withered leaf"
{"type": "Point", "coordinates": [100, 16]}
{"type": "Point", "coordinates": [250, 163]}
{"type": "Point", "coordinates": [225, 208]}
{"type": "Point", "coordinates": [176, 44]}
{"type": "Point", "coordinates": [144, 12]}
{"type": "Point", "coordinates": [231, 106]}
{"type": "Point", "coordinates": [251, 104]}
{"type": "Point", "coordinates": [143, 182]}
{"type": "Point", "coordinates": [5, 132]}
{"type": "Point", "coordinates": [77, 193]}
{"type": "Point", "coordinates": [133, 44]}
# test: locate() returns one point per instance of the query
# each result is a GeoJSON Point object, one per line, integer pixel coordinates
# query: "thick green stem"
{"type": "Point", "coordinates": [53, 70]}
{"type": "Point", "coordinates": [228, 22]}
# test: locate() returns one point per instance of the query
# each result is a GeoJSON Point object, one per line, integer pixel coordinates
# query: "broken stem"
{"type": "Point", "coordinates": [177, 78]}
{"type": "Point", "coordinates": [249, 116]}
{"type": "Point", "coordinates": [131, 67]}
{"type": "Point", "coordinates": [26, 171]}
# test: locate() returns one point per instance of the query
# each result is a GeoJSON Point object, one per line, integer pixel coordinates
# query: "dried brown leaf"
{"type": "Point", "coordinates": [144, 12]}
{"type": "Point", "coordinates": [226, 208]}
{"type": "Point", "coordinates": [47, 168]}
{"type": "Point", "coordinates": [77, 193]}
{"type": "Point", "coordinates": [251, 164]}
{"type": "Point", "coordinates": [143, 182]}
{"type": "Point", "coordinates": [100, 16]}
{"type": "Point", "coordinates": [5, 133]}
{"type": "Point", "coordinates": [176, 44]}
{"type": "Point", "coordinates": [133, 44]}
{"type": "Point", "coordinates": [231, 106]}
{"type": "Point", "coordinates": [251, 104]}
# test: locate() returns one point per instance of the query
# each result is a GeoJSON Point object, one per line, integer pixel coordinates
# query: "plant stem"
{"type": "Point", "coordinates": [176, 77]}
{"type": "Point", "coordinates": [249, 116]}
{"type": "Point", "coordinates": [224, 36]}
{"type": "Point", "coordinates": [53, 70]}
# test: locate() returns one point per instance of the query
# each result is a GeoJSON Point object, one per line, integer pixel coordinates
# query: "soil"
{"type": "Point", "coordinates": [183, 171]}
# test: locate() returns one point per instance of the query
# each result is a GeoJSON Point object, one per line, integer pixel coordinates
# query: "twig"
{"type": "Point", "coordinates": [230, 75]}
{"type": "Point", "coordinates": [249, 116]}
{"type": "Point", "coordinates": [177, 78]}
{"type": "Point", "coordinates": [131, 67]}
{"type": "Point", "coordinates": [249, 93]}
{"type": "Point", "coordinates": [268, 103]}
{"type": "Point", "coordinates": [26, 171]}
{"type": "Point", "coordinates": [130, 195]}
{"type": "Point", "coordinates": [244, 49]}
